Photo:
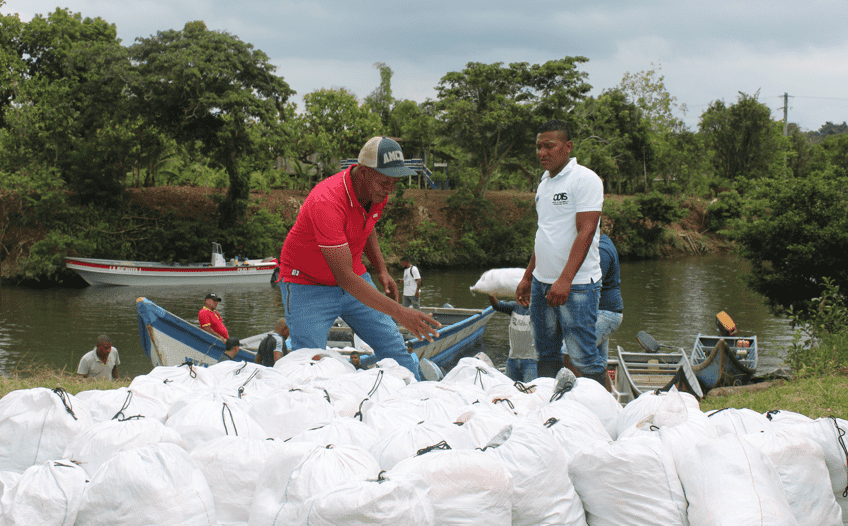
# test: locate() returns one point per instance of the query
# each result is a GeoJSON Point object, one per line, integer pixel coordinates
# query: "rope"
{"type": "Point", "coordinates": [507, 400]}
{"type": "Point", "coordinates": [479, 375]}
{"type": "Point", "coordinates": [839, 434]}
{"type": "Point", "coordinates": [524, 388]}
{"type": "Point", "coordinates": [120, 416]}
{"type": "Point", "coordinates": [224, 419]}
{"type": "Point", "coordinates": [440, 445]}
{"type": "Point", "coordinates": [66, 401]}
{"type": "Point", "coordinates": [717, 412]}
{"type": "Point", "coordinates": [772, 412]}
{"type": "Point", "coordinates": [550, 422]}
{"type": "Point", "coordinates": [377, 383]}
{"type": "Point", "coordinates": [359, 410]}
{"type": "Point", "coordinates": [249, 378]}
{"type": "Point", "coordinates": [191, 371]}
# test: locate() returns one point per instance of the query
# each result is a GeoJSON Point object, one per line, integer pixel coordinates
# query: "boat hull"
{"type": "Point", "coordinates": [108, 272]}
{"type": "Point", "coordinates": [647, 372]}
{"type": "Point", "coordinates": [168, 339]}
{"type": "Point", "coordinates": [720, 361]}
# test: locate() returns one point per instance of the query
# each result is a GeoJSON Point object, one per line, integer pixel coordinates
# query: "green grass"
{"type": "Point", "coordinates": [43, 376]}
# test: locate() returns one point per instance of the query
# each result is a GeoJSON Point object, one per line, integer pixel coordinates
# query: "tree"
{"type": "Point", "coordinates": [794, 233]}
{"type": "Point", "coordinates": [211, 90]}
{"type": "Point", "coordinates": [380, 100]}
{"type": "Point", "coordinates": [491, 112]}
{"type": "Point", "coordinates": [414, 125]}
{"type": "Point", "coordinates": [745, 140]}
{"type": "Point", "coordinates": [332, 127]}
{"type": "Point", "coordinates": [646, 89]}
{"type": "Point", "coordinates": [12, 65]}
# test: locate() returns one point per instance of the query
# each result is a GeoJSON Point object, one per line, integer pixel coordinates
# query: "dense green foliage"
{"type": "Point", "coordinates": [820, 344]}
{"type": "Point", "coordinates": [637, 224]}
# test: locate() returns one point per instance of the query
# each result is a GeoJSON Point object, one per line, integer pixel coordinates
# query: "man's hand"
{"type": "Point", "coordinates": [522, 292]}
{"type": "Point", "coordinates": [558, 295]}
{"type": "Point", "coordinates": [421, 325]}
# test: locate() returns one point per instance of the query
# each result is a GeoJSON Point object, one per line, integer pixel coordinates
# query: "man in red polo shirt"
{"type": "Point", "coordinates": [323, 276]}
{"type": "Point", "coordinates": [210, 320]}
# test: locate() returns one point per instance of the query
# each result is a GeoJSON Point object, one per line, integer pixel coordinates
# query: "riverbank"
{"type": "Point", "coordinates": [439, 228]}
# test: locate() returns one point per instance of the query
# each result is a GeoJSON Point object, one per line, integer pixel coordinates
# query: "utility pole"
{"type": "Point", "coordinates": [785, 114]}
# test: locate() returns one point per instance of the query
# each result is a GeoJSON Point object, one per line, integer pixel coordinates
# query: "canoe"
{"type": "Point", "coordinates": [168, 339]}
{"type": "Point", "coordinates": [720, 361]}
{"type": "Point", "coordinates": [648, 371]}
{"type": "Point", "coordinates": [97, 272]}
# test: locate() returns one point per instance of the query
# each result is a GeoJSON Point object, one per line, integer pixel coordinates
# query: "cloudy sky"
{"type": "Point", "coordinates": [708, 50]}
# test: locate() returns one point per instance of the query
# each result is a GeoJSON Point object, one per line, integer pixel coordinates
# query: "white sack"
{"type": "Point", "coordinates": [729, 482]}
{"type": "Point", "coordinates": [595, 397]}
{"type": "Point", "coordinates": [165, 390]}
{"type": "Point", "coordinates": [148, 486]}
{"type": "Point", "coordinates": [661, 409]}
{"type": "Point", "coordinates": [339, 431]}
{"type": "Point", "coordinates": [103, 440]}
{"type": "Point", "coordinates": [377, 383]}
{"type": "Point", "coordinates": [800, 463]}
{"type": "Point", "coordinates": [467, 487]}
{"type": "Point", "coordinates": [285, 413]}
{"type": "Point", "coordinates": [231, 466]}
{"type": "Point", "coordinates": [457, 395]}
{"type": "Point", "coordinates": [406, 442]}
{"type": "Point", "coordinates": [205, 420]}
{"type": "Point", "coordinates": [391, 366]}
{"type": "Point", "coordinates": [499, 282]}
{"type": "Point", "coordinates": [121, 403]}
{"type": "Point", "coordinates": [301, 471]}
{"type": "Point", "coordinates": [521, 402]}
{"type": "Point", "coordinates": [188, 375]}
{"type": "Point", "coordinates": [779, 417]}
{"type": "Point", "coordinates": [631, 482]}
{"type": "Point", "coordinates": [300, 367]}
{"type": "Point", "coordinates": [48, 494]}
{"type": "Point", "coordinates": [389, 415]}
{"type": "Point", "coordinates": [474, 372]}
{"type": "Point", "coordinates": [207, 395]}
{"type": "Point", "coordinates": [542, 494]}
{"type": "Point", "coordinates": [829, 434]}
{"type": "Point", "coordinates": [346, 397]}
{"type": "Point", "coordinates": [36, 425]}
{"type": "Point", "coordinates": [395, 499]}
{"type": "Point", "coordinates": [485, 420]}
{"type": "Point", "coordinates": [248, 381]}
{"type": "Point", "coordinates": [572, 424]}
{"type": "Point", "coordinates": [739, 421]}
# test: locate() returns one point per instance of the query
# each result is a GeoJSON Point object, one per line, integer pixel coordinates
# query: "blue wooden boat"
{"type": "Point", "coordinates": [651, 371]}
{"type": "Point", "coordinates": [720, 361]}
{"type": "Point", "coordinates": [168, 339]}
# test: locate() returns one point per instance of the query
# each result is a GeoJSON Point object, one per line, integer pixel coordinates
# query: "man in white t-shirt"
{"type": "Point", "coordinates": [562, 282]}
{"type": "Point", "coordinates": [100, 362]}
{"type": "Point", "coordinates": [411, 284]}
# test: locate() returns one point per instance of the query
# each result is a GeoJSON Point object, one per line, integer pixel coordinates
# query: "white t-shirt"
{"type": "Point", "coordinates": [91, 365]}
{"type": "Point", "coordinates": [558, 200]}
{"type": "Point", "coordinates": [410, 285]}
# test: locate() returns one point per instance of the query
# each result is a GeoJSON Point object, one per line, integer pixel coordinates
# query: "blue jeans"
{"type": "Point", "coordinates": [573, 323]}
{"type": "Point", "coordinates": [521, 370]}
{"type": "Point", "coordinates": [312, 309]}
{"type": "Point", "coordinates": [607, 324]}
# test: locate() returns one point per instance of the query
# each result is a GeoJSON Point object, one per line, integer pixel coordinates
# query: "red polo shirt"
{"type": "Point", "coordinates": [211, 318]}
{"type": "Point", "coordinates": [331, 216]}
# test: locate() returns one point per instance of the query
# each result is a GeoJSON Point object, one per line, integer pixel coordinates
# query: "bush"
{"type": "Point", "coordinates": [820, 343]}
{"type": "Point", "coordinates": [726, 207]}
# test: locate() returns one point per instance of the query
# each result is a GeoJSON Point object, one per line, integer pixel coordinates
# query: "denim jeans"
{"type": "Point", "coordinates": [521, 370]}
{"type": "Point", "coordinates": [412, 301]}
{"type": "Point", "coordinates": [607, 324]}
{"type": "Point", "coordinates": [312, 309]}
{"type": "Point", "coordinates": [573, 323]}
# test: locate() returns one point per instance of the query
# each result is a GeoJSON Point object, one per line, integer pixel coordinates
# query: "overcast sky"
{"type": "Point", "coordinates": [708, 50]}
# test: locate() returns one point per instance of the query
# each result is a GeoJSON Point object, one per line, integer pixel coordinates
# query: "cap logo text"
{"type": "Point", "coordinates": [392, 156]}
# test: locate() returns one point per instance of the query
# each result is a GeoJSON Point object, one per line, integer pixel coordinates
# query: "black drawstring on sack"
{"type": "Point", "coordinates": [66, 401]}
{"type": "Point", "coordinates": [120, 416]}
{"type": "Point", "coordinates": [440, 445]}
{"type": "Point", "coordinates": [224, 419]}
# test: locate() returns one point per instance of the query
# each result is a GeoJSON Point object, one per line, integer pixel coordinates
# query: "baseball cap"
{"type": "Point", "coordinates": [385, 156]}
{"type": "Point", "coordinates": [232, 341]}
{"type": "Point", "coordinates": [212, 296]}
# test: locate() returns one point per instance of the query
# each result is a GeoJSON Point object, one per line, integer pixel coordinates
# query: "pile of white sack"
{"type": "Point", "coordinates": [317, 442]}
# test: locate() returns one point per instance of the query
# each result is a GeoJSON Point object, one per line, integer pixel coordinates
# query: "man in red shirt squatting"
{"type": "Point", "coordinates": [323, 276]}
{"type": "Point", "coordinates": [210, 320]}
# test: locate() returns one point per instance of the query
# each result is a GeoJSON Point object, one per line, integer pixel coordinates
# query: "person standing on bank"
{"type": "Point", "coordinates": [521, 365]}
{"type": "Point", "coordinates": [561, 284]}
{"type": "Point", "coordinates": [100, 362]}
{"type": "Point", "coordinates": [210, 320]}
{"type": "Point", "coordinates": [323, 276]}
{"type": "Point", "coordinates": [411, 284]}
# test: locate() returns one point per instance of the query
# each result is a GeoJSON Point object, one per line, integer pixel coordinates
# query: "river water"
{"type": "Point", "coordinates": [672, 300]}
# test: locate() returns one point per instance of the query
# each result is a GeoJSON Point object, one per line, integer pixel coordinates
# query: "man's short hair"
{"type": "Point", "coordinates": [104, 339]}
{"type": "Point", "coordinates": [232, 341]}
{"type": "Point", "coordinates": [556, 125]}
{"type": "Point", "coordinates": [354, 353]}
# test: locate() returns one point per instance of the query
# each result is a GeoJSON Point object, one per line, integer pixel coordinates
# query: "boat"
{"type": "Point", "coordinates": [168, 339]}
{"type": "Point", "coordinates": [721, 361]}
{"type": "Point", "coordinates": [651, 371]}
{"type": "Point", "coordinates": [98, 272]}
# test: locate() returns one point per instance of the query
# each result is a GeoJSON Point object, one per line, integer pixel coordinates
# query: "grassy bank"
{"type": "Point", "coordinates": [814, 397]}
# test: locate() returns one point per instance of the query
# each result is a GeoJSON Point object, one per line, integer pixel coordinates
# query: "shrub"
{"type": "Point", "coordinates": [726, 207]}
{"type": "Point", "coordinates": [820, 343]}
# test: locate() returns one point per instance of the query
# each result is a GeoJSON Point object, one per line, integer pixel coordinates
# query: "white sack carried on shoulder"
{"type": "Point", "coordinates": [631, 482]}
{"type": "Point", "coordinates": [36, 425]}
{"type": "Point", "coordinates": [393, 499]}
{"type": "Point", "coordinates": [149, 486]}
{"type": "Point", "coordinates": [301, 471]}
{"type": "Point", "coordinates": [467, 487]}
{"type": "Point", "coordinates": [541, 493]}
{"type": "Point", "coordinates": [499, 282]}
{"type": "Point", "coordinates": [48, 494]}
{"type": "Point", "coordinates": [800, 463]}
{"type": "Point", "coordinates": [230, 465]}
{"type": "Point", "coordinates": [729, 482]}
{"type": "Point", "coordinates": [100, 442]}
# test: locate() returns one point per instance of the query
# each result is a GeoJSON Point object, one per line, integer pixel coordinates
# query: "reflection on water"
{"type": "Point", "coordinates": [672, 300]}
